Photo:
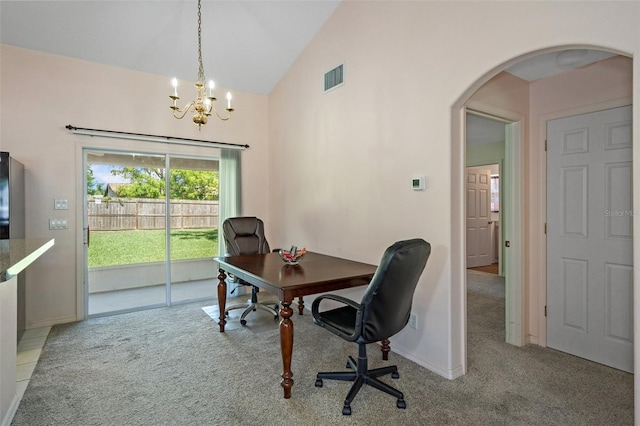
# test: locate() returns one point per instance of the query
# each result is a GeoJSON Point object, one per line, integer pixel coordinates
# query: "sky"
{"type": "Point", "coordinates": [102, 174]}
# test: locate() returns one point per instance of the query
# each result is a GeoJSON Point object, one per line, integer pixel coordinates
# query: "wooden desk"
{"type": "Point", "coordinates": [317, 273]}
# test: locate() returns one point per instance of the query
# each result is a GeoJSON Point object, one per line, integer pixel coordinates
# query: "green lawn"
{"type": "Point", "coordinates": [109, 248]}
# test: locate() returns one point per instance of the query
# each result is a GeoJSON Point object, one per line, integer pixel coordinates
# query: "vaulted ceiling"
{"type": "Point", "coordinates": [246, 45]}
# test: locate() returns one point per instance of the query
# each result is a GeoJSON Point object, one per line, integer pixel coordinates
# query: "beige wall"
{"type": "Point", "coordinates": [42, 93]}
{"type": "Point", "coordinates": [486, 153]}
{"type": "Point", "coordinates": [410, 67]}
{"type": "Point", "coordinates": [504, 92]}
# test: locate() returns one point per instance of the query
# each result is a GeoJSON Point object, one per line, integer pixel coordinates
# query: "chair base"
{"type": "Point", "coordinates": [360, 375]}
{"type": "Point", "coordinates": [250, 307]}
{"type": "Point", "coordinates": [253, 305]}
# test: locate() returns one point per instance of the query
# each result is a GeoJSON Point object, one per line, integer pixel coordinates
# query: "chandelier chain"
{"type": "Point", "coordinates": [201, 78]}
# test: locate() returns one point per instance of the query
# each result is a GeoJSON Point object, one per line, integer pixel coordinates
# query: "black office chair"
{"type": "Point", "coordinates": [245, 235]}
{"type": "Point", "coordinates": [383, 311]}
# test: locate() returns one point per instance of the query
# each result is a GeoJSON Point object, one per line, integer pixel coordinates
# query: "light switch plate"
{"type": "Point", "coordinates": [60, 204]}
{"type": "Point", "coordinates": [58, 224]}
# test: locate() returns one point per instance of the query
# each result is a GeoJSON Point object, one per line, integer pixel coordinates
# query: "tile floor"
{"type": "Point", "coordinates": [29, 350]}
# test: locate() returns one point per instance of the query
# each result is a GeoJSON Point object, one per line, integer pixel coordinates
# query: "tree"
{"type": "Point", "coordinates": [147, 182]}
{"type": "Point", "coordinates": [194, 185]}
{"type": "Point", "coordinates": [144, 182]}
{"type": "Point", "coordinates": [93, 187]}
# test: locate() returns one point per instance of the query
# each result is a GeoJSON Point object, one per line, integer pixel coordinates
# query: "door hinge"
{"type": "Point", "coordinates": [545, 228]}
{"type": "Point", "coordinates": [507, 243]}
{"type": "Point", "coordinates": [545, 145]}
{"type": "Point", "coordinates": [545, 310]}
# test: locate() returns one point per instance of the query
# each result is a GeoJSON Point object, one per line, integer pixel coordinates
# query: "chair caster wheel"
{"type": "Point", "coordinates": [318, 383]}
{"type": "Point", "coordinates": [401, 403]}
{"type": "Point", "coordinates": [243, 322]}
{"type": "Point", "coordinates": [275, 317]}
{"type": "Point", "coordinates": [276, 308]}
{"type": "Point", "coordinates": [395, 375]}
{"type": "Point", "coordinates": [346, 410]}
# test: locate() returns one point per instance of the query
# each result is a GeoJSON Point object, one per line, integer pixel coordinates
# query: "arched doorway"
{"type": "Point", "coordinates": [532, 299]}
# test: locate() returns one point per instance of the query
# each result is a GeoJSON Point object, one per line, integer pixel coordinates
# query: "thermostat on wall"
{"type": "Point", "coordinates": [417, 183]}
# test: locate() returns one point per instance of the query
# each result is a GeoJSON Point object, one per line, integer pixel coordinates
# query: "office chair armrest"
{"type": "Point", "coordinates": [316, 303]}
{"type": "Point", "coordinates": [315, 312]}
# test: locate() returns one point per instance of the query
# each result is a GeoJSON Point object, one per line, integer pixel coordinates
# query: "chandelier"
{"type": "Point", "coordinates": [203, 106]}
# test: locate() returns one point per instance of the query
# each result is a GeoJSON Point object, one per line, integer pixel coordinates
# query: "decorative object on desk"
{"type": "Point", "coordinates": [293, 256]}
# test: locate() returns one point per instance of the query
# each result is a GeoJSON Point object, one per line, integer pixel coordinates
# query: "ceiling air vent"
{"type": "Point", "coordinates": [334, 78]}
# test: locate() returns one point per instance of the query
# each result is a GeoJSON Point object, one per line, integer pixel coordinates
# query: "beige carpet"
{"type": "Point", "coordinates": [171, 366]}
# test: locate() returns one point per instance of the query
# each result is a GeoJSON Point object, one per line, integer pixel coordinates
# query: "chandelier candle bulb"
{"type": "Point", "coordinates": [228, 100]}
{"type": "Point", "coordinates": [211, 86]}
{"type": "Point", "coordinates": [174, 83]}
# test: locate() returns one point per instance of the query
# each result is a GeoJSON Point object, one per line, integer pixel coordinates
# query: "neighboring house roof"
{"type": "Point", "coordinates": [112, 189]}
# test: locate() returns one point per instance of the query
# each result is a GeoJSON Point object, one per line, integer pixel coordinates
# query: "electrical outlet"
{"type": "Point", "coordinates": [413, 320]}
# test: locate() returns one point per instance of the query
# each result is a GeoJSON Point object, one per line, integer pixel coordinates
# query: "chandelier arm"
{"type": "Point", "coordinates": [180, 113]}
{"type": "Point", "coordinates": [215, 111]}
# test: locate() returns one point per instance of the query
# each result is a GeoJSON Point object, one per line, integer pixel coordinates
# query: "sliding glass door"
{"type": "Point", "coordinates": [193, 197]}
{"type": "Point", "coordinates": [150, 230]}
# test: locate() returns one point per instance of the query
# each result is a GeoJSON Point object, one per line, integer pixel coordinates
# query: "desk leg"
{"type": "Point", "coordinates": [385, 349]}
{"type": "Point", "coordinates": [300, 306]}
{"type": "Point", "coordinates": [222, 298]}
{"type": "Point", "coordinates": [286, 346]}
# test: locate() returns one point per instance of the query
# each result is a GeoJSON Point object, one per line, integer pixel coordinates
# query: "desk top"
{"type": "Point", "coordinates": [17, 254]}
{"type": "Point", "coordinates": [316, 273]}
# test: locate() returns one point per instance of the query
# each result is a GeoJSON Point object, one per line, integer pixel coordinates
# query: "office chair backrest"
{"type": "Point", "coordinates": [244, 235]}
{"type": "Point", "coordinates": [388, 298]}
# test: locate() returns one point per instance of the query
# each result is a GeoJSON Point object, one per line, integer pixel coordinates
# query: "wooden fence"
{"type": "Point", "coordinates": [117, 214]}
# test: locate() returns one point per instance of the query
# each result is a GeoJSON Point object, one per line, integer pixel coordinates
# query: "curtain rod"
{"type": "Point", "coordinates": [152, 138]}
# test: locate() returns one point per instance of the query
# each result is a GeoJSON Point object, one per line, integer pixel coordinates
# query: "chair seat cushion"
{"type": "Point", "coordinates": [344, 319]}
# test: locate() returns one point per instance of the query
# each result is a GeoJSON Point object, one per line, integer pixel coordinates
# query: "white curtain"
{"type": "Point", "coordinates": [230, 204]}
{"type": "Point", "coordinates": [230, 190]}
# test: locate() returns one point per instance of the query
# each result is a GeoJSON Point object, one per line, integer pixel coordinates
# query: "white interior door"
{"type": "Point", "coordinates": [589, 237]}
{"type": "Point", "coordinates": [478, 217]}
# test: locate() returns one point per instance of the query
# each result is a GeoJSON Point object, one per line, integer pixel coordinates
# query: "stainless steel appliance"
{"type": "Point", "coordinates": [11, 197]}
{"type": "Point", "coordinates": [12, 219]}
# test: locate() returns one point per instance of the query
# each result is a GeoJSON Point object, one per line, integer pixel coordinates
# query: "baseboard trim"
{"type": "Point", "coordinates": [13, 409]}
{"type": "Point", "coordinates": [438, 369]}
{"type": "Point", "coordinates": [50, 322]}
